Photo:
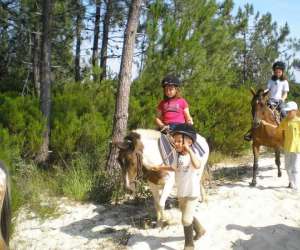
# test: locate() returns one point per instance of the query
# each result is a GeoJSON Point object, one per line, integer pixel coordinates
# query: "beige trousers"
{"type": "Point", "coordinates": [187, 207]}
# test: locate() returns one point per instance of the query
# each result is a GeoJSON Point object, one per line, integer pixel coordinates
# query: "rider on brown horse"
{"type": "Point", "coordinates": [277, 87]}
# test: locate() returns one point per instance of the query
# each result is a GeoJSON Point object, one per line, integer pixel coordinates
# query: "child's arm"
{"type": "Point", "coordinates": [284, 95]}
{"type": "Point", "coordinates": [195, 162]}
{"type": "Point", "coordinates": [158, 120]}
{"type": "Point", "coordinates": [187, 116]}
{"type": "Point", "coordinates": [268, 124]}
{"type": "Point", "coordinates": [162, 167]}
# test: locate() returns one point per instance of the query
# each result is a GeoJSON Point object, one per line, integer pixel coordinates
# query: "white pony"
{"type": "Point", "coordinates": [139, 154]}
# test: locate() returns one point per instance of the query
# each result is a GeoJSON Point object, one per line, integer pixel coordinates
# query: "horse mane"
{"type": "Point", "coordinates": [259, 92]}
{"type": "Point", "coordinates": [134, 140]}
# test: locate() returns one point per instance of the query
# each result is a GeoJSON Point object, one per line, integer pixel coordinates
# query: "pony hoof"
{"type": "Point", "coordinates": [279, 174]}
{"type": "Point", "coordinates": [252, 184]}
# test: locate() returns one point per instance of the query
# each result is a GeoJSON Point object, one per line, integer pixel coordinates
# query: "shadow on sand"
{"type": "Point", "coordinates": [275, 237]}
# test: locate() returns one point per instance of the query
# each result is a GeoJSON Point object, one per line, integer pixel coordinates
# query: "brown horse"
{"type": "Point", "coordinates": [4, 208]}
{"type": "Point", "coordinates": [264, 135]}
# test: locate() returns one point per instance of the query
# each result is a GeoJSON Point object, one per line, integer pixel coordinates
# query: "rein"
{"type": "Point", "coordinates": [139, 156]}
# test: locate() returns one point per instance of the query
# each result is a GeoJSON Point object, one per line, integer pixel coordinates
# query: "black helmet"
{"type": "Point", "coordinates": [185, 129]}
{"type": "Point", "coordinates": [278, 65]}
{"type": "Point", "coordinates": [170, 80]}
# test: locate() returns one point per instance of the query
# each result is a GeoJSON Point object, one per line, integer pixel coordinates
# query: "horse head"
{"type": "Point", "coordinates": [130, 159]}
{"type": "Point", "coordinates": [259, 106]}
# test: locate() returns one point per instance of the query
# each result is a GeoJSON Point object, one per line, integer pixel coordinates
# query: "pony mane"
{"type": "Point", "coordinates": [259, 92]}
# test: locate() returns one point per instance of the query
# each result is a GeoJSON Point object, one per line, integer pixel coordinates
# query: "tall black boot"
{"type": "Point", "coordinates": [188, 237]}
{"type": "Point", "coordinates": [199, 229]}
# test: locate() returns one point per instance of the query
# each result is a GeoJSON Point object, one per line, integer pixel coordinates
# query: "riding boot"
{"type": "Point", "coordinates": [199, 229]}
{"type": "Point", "coordinates": [188, 237]}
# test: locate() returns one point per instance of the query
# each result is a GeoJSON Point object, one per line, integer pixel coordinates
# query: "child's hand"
{"type": "Point", "coordinates": [190, 122]}
{"type": "Point", "coordinates": [186, 147]}
{"type": "Point", "coordinates": [263, 122]}
{"type": "Point", "coordinates": [155, 168]}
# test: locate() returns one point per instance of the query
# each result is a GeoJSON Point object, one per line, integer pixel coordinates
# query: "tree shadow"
{"type": "Point", "coordinates": [275, 237]}
{"type": "Point", "coordinates": [153, 242]}
{"type": "Point", "coordinates": [114, 221]}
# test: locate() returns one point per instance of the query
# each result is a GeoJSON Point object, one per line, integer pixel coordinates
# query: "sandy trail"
{"type": "Point", "coordinates": [236, 216]}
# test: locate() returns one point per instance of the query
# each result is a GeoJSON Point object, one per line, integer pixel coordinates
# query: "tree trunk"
{"type": "Point", "coordinates": [45, 71]}
{"type": "Point", "coordinates": [96, 35]}
{"type": "Point", "coordinates": [35, 62]}
{"type": "Point", "coordinates": [121, 110]}
{"type": "Point", "coordinates": [78, 44]}
{"type": "Point", "coordinates": [106, 25]}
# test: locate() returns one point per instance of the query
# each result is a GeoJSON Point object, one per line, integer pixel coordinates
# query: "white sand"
{"type": "Point", "coordinates": [266, 217]}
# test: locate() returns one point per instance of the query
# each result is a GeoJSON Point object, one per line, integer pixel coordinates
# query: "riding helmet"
{"type": "Point", "coordinates": [185, 129]}
{"type": "Point", "coordinates": [278, 65]}
{"type": "Point", "coordinates": [170, 80]}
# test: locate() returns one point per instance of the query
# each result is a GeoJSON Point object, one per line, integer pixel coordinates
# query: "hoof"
{"type": "Point", "coordinates": [279, 174]}
{"type": "Point", "coordinates": [252, 184]}
{"type": "Point", "coordinates": [164, 223]}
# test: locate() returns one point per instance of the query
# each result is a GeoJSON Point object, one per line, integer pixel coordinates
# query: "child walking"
{"type": "Point", "coordinates": [173, 109]}
{"type": "Point", "coordinates": [290, 128]}
{"type": "Point", "coordinates": [188, 174]}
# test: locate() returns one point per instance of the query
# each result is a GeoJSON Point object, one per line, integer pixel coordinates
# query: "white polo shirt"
{"type": "Point", "coordinates": [277, 88]}
{"type": "Point", "coordinates": [187, 177]}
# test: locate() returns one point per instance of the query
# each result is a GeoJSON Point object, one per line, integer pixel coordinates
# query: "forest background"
{"type": "Point", "coordinates": [54, 74]}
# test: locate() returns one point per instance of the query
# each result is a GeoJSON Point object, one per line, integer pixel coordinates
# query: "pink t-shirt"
{"type": "Point", "coordinates": [172, 110]}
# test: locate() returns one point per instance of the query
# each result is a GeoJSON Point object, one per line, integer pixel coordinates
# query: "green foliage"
{"type": "Point", "coordinates": [81, 121]}
{"type": "Point", "coordinates": [22, 118]}
{"type": "Point", "coordinates": [222, 115]}
{"type": "Point", "coordinates": [106, 188]}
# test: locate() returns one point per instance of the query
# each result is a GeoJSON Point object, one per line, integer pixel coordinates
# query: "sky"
{"type": "Point", "coordinates": [282, 11]}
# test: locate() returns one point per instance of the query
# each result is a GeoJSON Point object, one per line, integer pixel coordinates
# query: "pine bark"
{"type": "Point", "coordinates": [45, 77]}
{"type": "Point", "coordinates": [122, 101]}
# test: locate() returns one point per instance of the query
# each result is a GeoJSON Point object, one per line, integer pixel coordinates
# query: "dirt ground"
{"type": "Point", "coordinates": [236, 216]}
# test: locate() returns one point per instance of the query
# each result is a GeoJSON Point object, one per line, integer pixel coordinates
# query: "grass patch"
{"type": "Point", "coordinates": [77, 181]}
{"type": "Point", "coordinates": [31, 186]}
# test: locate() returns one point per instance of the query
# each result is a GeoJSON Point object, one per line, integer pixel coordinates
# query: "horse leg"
{"type": "Point", "coordinates": [167, 188]}
{"type": "Point", "coordinates": [203, 193]}
{"type": "Point", "coordinates": [255, 149]}
{"type": "Point", "coordinates": [155, 189]}
{"type": "Point", "coordinates": [277, 161]}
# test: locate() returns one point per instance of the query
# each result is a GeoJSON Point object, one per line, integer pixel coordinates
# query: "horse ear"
{"type": "Point", "coordinates": [252, 91]}
{"type": "Point", "coordinates": [266, 92]}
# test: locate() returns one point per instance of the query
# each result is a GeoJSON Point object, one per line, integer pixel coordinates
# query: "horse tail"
{"type": "Point", "coordinates": [6, 208]}
{"type": "Point", "coordinates": [6, 215]}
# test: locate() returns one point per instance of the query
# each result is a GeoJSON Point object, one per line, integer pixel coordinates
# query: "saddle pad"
{"type": "Point", "coordinates": [196, 147]}
{"type": "Point", "coordinates": [168, 153]}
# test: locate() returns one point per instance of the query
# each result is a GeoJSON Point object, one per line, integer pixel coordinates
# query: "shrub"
{"type": "Point", "coordinates": [222, 115]}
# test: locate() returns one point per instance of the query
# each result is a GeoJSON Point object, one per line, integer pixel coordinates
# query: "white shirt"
{"type": "Point", "coordinates": [277, 88]}
{"type": "Point", "coordinates": [187, 177]}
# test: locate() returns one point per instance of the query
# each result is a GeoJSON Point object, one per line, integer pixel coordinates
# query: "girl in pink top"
{"type": "Point", "coordinates": [173, 109]}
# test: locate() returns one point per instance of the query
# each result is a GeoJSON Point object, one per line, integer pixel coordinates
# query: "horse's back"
{"type": "Point", "coordinates": [204, 145]}
{"type": "Point", "coordinates": [151, 153]}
